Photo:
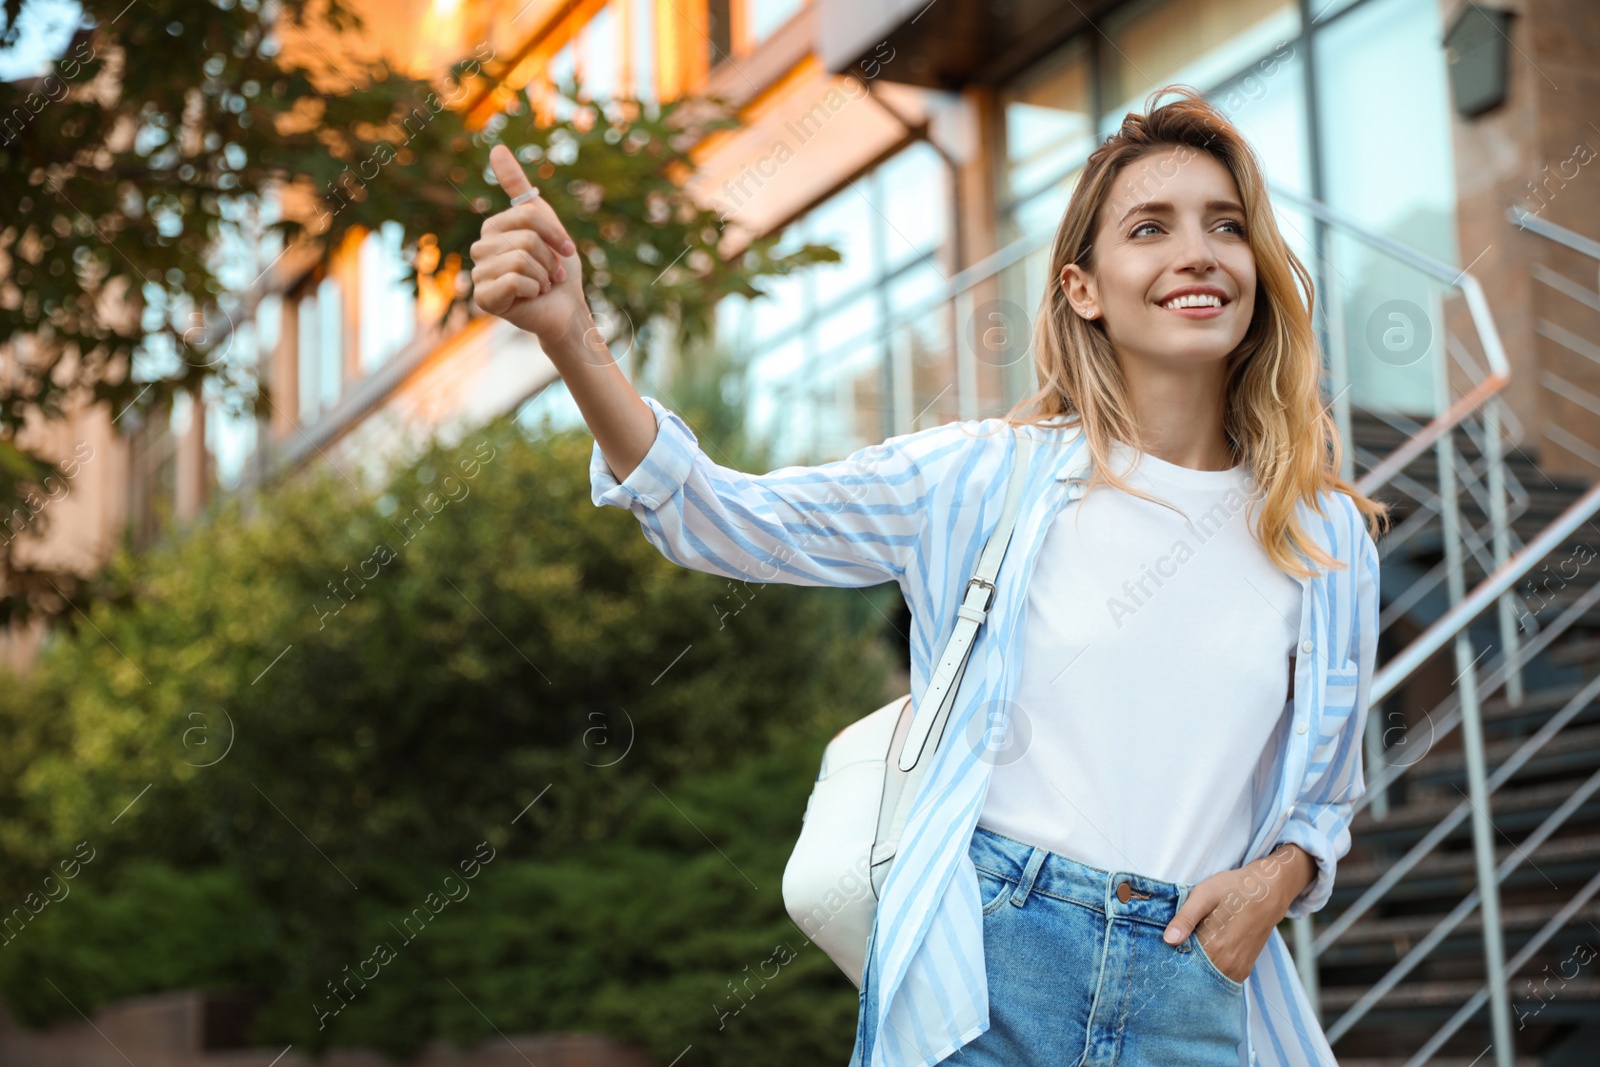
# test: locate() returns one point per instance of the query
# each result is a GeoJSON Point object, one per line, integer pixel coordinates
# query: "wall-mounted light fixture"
{"type": "Point", "coordinates": [1476, 46]}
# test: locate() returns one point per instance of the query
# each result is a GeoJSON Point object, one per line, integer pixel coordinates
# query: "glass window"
{"type": "Point", "coordinates": [1323, 10]}
{"type": "Point", "coordinates": [776, 384]}
{"type": "Point", "coordinates": [1198, 42]}
{"type": "Point", "coordinates": [1041, 215]}
{"type": "Point", "coordinates": [1049, 124]}
{"type": "Point", "coordinates": [561, 71]}
{"type": "Point", "coordinates": [769, 317]}
{"type": "Point", "coordinates": [1384, 121]}
{"type": "Point", "coordinates": [849, 223]}
{"type": "Point", "coordinates": [388, 306]}
{"type": "Point", "coordinates": [924, 345]}
{"type": "Point", "coordinates": [915, 287]}
{"type": "Point", "coordinates": [818, 346]}
{"type": "Point", "coordinates": [1268, 105]}
{"type": "Point", "coordinates": [642, 51]}
{"type": "Point", "coordinates": [269, 323]}
{"type": "Point", "coordinates": [850, 403]}
{"type": "Point", "coordinates": [308, 338]}
{"type": "Point", "coordinates": [1384, 125]}
{"type": "Point", "coordinates": [330, 342]}
{"type": "Point", "coordinates": [231, 436]}
{"type": "Point", "coordinates": [552, 408]}
{"type": "Point", "coordinates": [907, 186]}
{"type": "Point", "coordinates": [848, 325]}
{"type": "Point", "coordinates": [599, 52]}
{"type": "Point", "coordinates": [765, 16]}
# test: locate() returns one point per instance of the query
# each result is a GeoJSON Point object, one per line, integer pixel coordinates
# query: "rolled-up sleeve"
{"type": "Point", "coordinates": [1321, 824]}
{"type": "Point", "coordinates": [853, 522]}
{"type": "Point", "coordinates": [658, 477]}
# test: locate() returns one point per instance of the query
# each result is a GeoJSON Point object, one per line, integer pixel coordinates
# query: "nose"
{"type": "Point", "coordinates": [1194, 251]}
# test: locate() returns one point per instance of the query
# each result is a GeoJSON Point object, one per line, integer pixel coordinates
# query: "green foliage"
{"type": "Point", "coordinates": [159, 929]}
{"type": "Point", "coordinates": [306, 715]}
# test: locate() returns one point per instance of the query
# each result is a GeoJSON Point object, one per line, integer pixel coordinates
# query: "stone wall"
{"type": "Point", "coordinates": [171, 1030]}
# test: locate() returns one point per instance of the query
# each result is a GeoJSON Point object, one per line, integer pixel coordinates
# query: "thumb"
{"type": "Point", "coordinates": [1195, 908]}
{"type": "Point", "coordinates": [508, 172]}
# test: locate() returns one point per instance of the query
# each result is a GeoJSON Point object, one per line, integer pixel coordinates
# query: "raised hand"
{"type": "Point", "coordinates": [525, 269]}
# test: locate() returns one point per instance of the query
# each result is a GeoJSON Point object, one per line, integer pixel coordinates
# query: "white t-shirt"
{"type": "Point", "coordinates": [1155, 669]}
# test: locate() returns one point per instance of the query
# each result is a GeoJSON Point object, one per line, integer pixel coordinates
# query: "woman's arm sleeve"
{"type": "Point", "coordinates": [853, 522]}
{"type": "Point", "coordinates": [1321, 825]}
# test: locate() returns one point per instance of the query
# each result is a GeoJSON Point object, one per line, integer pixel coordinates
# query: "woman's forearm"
{"type": "Point", "coordinates": [1288, 869]}
{"type": "Point", "coordinates": [622, 424]}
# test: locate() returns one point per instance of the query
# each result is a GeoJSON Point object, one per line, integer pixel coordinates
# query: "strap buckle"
{"type": "Point", "coordinates": [988, 600]}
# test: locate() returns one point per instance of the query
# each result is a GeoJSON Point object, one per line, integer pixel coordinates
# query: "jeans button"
{"type": "Point", "coordinates": [1124, 892]}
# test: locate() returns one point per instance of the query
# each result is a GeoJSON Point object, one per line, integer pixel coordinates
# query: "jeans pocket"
{"type": "Point", "coordinates": [993, 889]}
{"type": "Point", "coordinates": [1199, 950]}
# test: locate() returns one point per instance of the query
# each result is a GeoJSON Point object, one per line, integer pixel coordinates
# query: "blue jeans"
{"type": "Point", "coordinates": [1078, 976]}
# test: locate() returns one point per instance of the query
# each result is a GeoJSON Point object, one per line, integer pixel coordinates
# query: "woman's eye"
{"type": "Point", "coordinates": [1238, 227]}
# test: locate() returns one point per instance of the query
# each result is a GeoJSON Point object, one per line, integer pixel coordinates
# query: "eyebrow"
{"type": "Point", "coordinates": [1157, 207]}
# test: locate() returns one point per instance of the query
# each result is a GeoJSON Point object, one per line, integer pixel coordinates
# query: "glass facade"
{"type": "Point", "coordinates": [831, 364]}
{"type": "Point", "coordinates": [1350, 108]}
{"type": "Point", "coordinates": [1343, 100]}
{"type": "Point", "coordinates": [830, 368]}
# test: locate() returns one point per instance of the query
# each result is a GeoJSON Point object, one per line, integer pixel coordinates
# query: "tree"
{"type": "Point", "coordinates": [308, 715]}
{"type": "Point", "coordinates": [159, 139]}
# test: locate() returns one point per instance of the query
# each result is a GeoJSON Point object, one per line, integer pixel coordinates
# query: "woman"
{"type": "Point", "coordinates": [1157, 745]}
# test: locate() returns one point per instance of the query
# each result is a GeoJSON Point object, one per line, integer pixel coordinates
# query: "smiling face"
{"type": "Point", "coordinates": [1169, 248]}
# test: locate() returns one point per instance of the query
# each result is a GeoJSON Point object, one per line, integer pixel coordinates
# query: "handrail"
{"type": "Point", "coordinates": [1399, 868]}
{"type": "Point", "coordinates": [1451, 718]}
{"type": "Point", "coordinates": [1438, 434]}
{"type": "Point", "coordinates": [1468, 904]}
{"type": "Point", "coordinates": [1526, 219]}
{"type": "Point", "coordinates": [955, 286]}
{"type": "Point", "coordinates": [1580, 346]}
{"type": "Point", "coordinates": [1513, 965]}
{"type": "Point", "coordinates": [1452, 627]}
{"type": "Point", "coordinates": [1431, 640]}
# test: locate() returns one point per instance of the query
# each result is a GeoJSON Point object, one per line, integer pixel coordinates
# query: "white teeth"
{"type": "Point", "coordinates": [1194, 300]}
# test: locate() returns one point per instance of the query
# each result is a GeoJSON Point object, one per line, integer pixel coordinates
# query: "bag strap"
{"type": "Point", "coordinates": [974, 608]}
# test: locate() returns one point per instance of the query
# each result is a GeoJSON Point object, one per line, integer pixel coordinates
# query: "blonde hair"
{"type": "Point", "coordinates": [1273, 415]}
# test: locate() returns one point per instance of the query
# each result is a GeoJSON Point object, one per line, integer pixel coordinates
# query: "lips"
{"type": "Point", "coordinates": [1192, 296]}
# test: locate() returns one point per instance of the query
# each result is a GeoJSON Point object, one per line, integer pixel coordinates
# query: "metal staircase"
{"type": "Point", "coordinates": [1475, 857]}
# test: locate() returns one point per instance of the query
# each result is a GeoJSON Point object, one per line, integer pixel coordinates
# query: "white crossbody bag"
{"type": "Point", "coordinates": [858, 808]}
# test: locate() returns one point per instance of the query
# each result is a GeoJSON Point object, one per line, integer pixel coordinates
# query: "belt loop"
{"type": "Point", "coordinates": [1035, 861]}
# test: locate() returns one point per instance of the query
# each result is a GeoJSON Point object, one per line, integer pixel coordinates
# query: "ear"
{"type": "Point", "coordinates": [1080, 290]}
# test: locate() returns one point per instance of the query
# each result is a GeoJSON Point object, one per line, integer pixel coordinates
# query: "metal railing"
{"type": "Point", "coordinates": [1564, 388]}
{"type": "Point", "coordinates": [1503, 566]}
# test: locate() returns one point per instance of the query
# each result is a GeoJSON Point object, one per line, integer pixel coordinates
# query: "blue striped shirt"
{"type": "Point", "coordinates": [916, 510]}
